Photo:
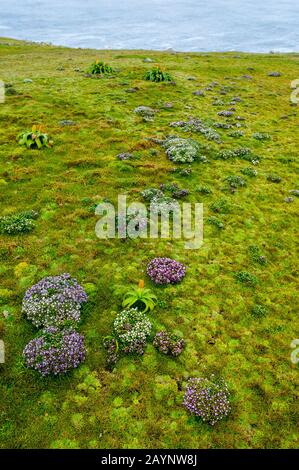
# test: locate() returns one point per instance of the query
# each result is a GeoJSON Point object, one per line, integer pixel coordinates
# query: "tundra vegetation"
{"type": "Point", "coordinates": [199, 353]}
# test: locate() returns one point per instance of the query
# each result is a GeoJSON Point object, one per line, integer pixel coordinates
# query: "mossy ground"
{"type": "Point", "coordinates": [139, 404]}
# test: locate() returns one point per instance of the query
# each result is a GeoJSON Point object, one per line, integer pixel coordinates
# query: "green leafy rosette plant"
{"type": "Point", "coordinates": [140, 297]}
{"type": "Point", "coordinates": [35, 139]}
{"type": "Point", "coordinates": [156, 74]}
{"type": "Point", "coordinates": [99, 68]}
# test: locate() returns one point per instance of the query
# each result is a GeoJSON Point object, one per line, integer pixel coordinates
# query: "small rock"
{"type": "Point", "coordinates": [274, 74]}
{"type": "Point", "coordinates": [198, 93]}
{"type": "Point", "coordinates": [147, 59]}
{"type": "Point", "coordinates": [289, 199]}
{"type": "Point", "coordinates": [295, 192]}
{"type": "Point", "coordinates": [191, 78]}
{"type": "Point", "coordinates": [168, 105]}
{"type": "Point", "coordinates": [247, 77]}
{"type": "Point", "coordinates": [27, 80]}
{"type": "Point", "coordinates": [60, 69]}
{"type": "Point", "coordinates": [5, 313]}
{"type": "Point", "coordinates": [225, 113]}
{"type": "Point", "coordinates": [146, 112]}
{"type": "Point", "coordinates": [124, 156]}
{"type": "Point", "coordinates": [67, 122]}
{"type": "Point", "coordinates": [237, 99]}
{"type": "Point", "coordinates": [131, 90]}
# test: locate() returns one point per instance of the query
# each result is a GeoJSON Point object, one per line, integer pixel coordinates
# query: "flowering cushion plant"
{"type": "Point", "coordinates": [54, 300]}
{"type": "Point", "coordinates": [131, 327]}
{"type": "Point", "coordinates": [165, 271]}
{"type": "Point", "coordinates": [207, 398]}
{"type": "Point", "coordinates": [55, 351]}
{"type": "Point", "coordinates": [167, 343]}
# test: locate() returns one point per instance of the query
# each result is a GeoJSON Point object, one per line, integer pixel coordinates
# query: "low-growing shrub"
{"type": "Point", "coordinates": [207, 398]}
{"type": "Point", "coordinates": [111, 345]}
{"type": "Point", "coordinates": [261, 136]}
{"type": "Point", "coordinates": [35, 139]}
{"type": "Point", "coordinates": [156, 74]}
{"type": "Point", "coordinates": [216, 222]}
{"type": "Point", "coordinates": [131, 223]}
{"type": "Point", "coordinates": [145, 112]}
{"type": "Point", "coordinates": [54, 301]}
{"type": "Point", "coordinates": [18, 223]}
{"type": "Point", "coordinates": [151, 193]}
{"type": "Point", "coordinates": [166, 271]}
{"type": "Point", "coordinates": [258, 311]}
{"type": "Point", "coordinates": [131, 328]}
{"type": "Point", "coordinates": [168, 343]}
{"type": "Point", "coordinates": [247, 278]}
{"type": "Point", "coordinates": [181, 150]}
{"type": "Point", "coordinates": [197, 125]}
{"type": "Point", "coordinates": [248, 171]}
{"type": "Point", "coordinates": [174, 190]}
{"type": "Point", "coordinates": [55, 351]}
{"type": "Point", "coordinates": [243, 153]}
{"type": "Point", "coordinates": [257, 255]}
{"type": "Point", "coordinates": [274, 178]}
{"type": "Point", "coordinates": [204, 190]}
{"type": "Point", "coordinates": [164, 204]}
{"type": "Point", "coordinates": [236, 134]}
{"type": "Point", "coordinates": [235, 181]}
{"type": "Point", "coordinates": [220, 206]}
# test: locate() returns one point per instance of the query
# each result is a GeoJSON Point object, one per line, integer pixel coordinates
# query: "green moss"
{"type": "Point", "coordinates": [139, 404]}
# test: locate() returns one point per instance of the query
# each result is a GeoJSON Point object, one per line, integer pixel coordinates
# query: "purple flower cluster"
{"type": "Point", "coordinates": [54, 300]}
{"type": "Point", "coordinates": [207, 398]}
{"type": "Point", "coordinates": [167, 343]}
{"type": "Point", "coordinates": [55, 351]}
{"type": "Point", "coordinates": [111, 345]}
{"type": "Point", "coordinates": [165, 271]}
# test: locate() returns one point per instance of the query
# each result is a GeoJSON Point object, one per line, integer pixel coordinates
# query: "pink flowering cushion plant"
{"type": "Point", "coordinates": [54, 301]}
{"type": "Point", "coordinates": [167, 343]}
{"type": "Point", "coordinates": [165, 271]}
{"type": "Point", "coordinates": [55, 351]}
{"type": "Point", "coordinates": [207, 398]}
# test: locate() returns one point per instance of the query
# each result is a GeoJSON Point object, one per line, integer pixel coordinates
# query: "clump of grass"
{"type": "Point", "coordinates": [157, 74]}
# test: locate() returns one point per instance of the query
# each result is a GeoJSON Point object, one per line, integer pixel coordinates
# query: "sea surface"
{"type": "Point", "coordinates": [183, 25]}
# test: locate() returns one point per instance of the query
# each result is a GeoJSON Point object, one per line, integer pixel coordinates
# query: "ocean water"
{"type": "Point", "coordinates": [183, 25]}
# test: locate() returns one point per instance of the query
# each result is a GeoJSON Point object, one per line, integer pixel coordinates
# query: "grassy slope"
{"type": "Point", "coordinates": [139, 404]}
